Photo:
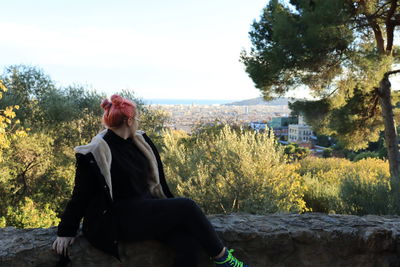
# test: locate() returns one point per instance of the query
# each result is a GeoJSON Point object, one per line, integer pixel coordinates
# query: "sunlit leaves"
{"type": "Point", "coordinates": [340, 186]}
{"type": "Point", "coordinates": [229, 170]}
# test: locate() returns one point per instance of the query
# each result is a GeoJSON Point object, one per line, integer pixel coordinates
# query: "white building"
{"type": "Point", "coordinates": [299, 133]}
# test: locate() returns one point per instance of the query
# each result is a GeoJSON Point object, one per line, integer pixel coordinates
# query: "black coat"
{"type": "Point", "coordinates": [91, 200]}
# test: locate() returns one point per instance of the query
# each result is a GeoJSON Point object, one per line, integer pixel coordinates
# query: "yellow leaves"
{"type": "Point", "coordinates": [30, 215]}
{"type": "Point", "coordinates": [220, 185]}
{"type": "Point", "coordinates": [2, 86]}
{"type": "Point", "coordinates": [3, 222]}
{"type": "Point", "coordinates": [8, 112]}
{"type": "Point", "coordinates": [8, 131]}
{"type": "Point", "coordinates": [21, 133]}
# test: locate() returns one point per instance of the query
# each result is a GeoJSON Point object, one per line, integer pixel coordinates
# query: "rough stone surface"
{"type": "Point", "coordinates": [274, 240]}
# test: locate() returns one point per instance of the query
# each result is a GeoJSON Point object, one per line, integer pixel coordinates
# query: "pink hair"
{"type": "Point", "coordinates": [118, 110]}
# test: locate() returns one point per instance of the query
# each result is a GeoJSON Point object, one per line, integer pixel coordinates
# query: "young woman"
{"type": "Point", "coordinates": [121, 193]}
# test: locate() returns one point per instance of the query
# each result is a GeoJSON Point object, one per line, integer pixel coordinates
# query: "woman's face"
{"type": "Point", "coordinates": [133, 124]}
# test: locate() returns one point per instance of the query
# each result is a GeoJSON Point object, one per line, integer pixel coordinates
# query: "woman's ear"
{"type": "Point", "coordinates": [129, 121]}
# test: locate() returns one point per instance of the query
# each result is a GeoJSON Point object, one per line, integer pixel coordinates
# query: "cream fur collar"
{"type": "Point", "coordinates": [102, 154]}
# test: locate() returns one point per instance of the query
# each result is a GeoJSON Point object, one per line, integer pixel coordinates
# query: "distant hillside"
{"type": "Point", "coordinates": [260, 101]}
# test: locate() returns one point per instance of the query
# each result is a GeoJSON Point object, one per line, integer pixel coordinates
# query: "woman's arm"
{"type": "Point", "coordinates": [81, 194]}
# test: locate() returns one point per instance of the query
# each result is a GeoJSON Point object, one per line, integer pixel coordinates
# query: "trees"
{"type": "Point", "coordinates": [26, 88]}
{"type": "Point", "coordinates": [344, 52]}
{"type": "Point", "coordinates": [37, 165]}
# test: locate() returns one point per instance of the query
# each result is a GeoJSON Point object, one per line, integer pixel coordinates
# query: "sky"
{"type": "Point", "coordinates": [159, 49]}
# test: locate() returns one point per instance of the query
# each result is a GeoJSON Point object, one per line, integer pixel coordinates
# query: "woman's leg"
{"type": "Point", "coordinates": [186, 248]}
{"type": "Point", "coordinates": [157, 218]}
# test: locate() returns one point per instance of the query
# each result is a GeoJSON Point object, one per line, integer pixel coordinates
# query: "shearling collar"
{"type": "Point", "coordinates": [102, 154]}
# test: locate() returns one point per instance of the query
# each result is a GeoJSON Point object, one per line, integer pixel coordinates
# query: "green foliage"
{"type": "Point", "coordinates": [361, 196]}
{"type": "Point", "coordinates": [365, 155]}
{"type": "Point", "coordinates": [27, 86]}
{"type": "Point", "coordinates": [295, 152]}
{"type": "Point", "coordinates": [330, 48]}
{"type": "Point", "coordinates": [227, 171]}
{"type": "Point", "coordinates": [327, 153]}
{"type": "Point", "coordinates": [341, 186]}
{"type": "Point", "coordinates": [324, 140]}
{"type": "Point", "coordinates": [374, 150]}
{"type": "Point", "coordinates": [295, 45]}
{"type": "Point", "coordinates": [3, 222]}
{"type": "Point", "coordinates": [321, 196]}
{"type": "Point", "coordinates": [28, 215]}
{"type": "Point", "coordinates": [29, 158]}
{"type": "Point", "coordinates": [355, 123]}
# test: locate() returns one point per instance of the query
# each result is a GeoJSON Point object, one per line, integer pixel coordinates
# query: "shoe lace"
{"type": "Point", "coordinates": [232, 260]}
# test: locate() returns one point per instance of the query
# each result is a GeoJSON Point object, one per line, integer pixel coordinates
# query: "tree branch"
{"type": "Point", "coordinates": [391, 72]}
{"type": "Point", "coordinates": [381, 8]}
{"type": "Point", "coordinates": [380, 43]}
{"type": "Point", "coordinates": [392, 9]}
{"type": "Point", "coordinates": [390, 26]}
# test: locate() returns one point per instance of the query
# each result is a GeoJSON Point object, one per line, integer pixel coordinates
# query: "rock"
{"type": "Point", "coordinates": [310, 239]}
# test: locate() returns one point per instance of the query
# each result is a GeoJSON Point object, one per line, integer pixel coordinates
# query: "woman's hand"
{"type": "Point", "coordinates": [61, 244]}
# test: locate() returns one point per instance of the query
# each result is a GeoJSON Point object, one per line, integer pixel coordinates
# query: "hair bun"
{"type": "Point", "coordinates": [105, 104]}
{"type": "Point", "coordinates": [117, 100]}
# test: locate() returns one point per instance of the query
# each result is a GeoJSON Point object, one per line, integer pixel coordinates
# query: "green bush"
{"type": "Point", "coordinates": [231, 171]}
{"type": "Point", "coordinates": [320, 196]}
{"type": "Point", "coordinates": [294, 152]}
{"type": "Point", "coordinates": [327, 153]}
{"type": "Point", "coordinates": [361, 197]}
{"type": "Point", "coordinates": [365, 155]}
{"type": "Point", "coordinates": [340, 186]}
{"type": "Point", "coordinates": [29, 215]}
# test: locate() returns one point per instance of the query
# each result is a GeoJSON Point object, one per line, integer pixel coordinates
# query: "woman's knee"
{"type": "Point", "coordinates": [189, 209]}
{"type": "Point", "coordinates": [188, 204]}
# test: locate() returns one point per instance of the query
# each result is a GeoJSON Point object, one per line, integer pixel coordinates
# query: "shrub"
{"type": "Point", "coordinates": [294, 152]}
{"type": "Point", "coordinates": [231, 171]}
{"type": "Point", "coordinates": [365, 155]}
{"type": "Point", "coordinates": [29, 215]}
{"type": "Point", "coordinates": [341, 186]}
{"type": "Point", "coordinates": [327, 153]}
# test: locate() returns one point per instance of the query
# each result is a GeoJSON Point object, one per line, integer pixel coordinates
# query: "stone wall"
{"type": "Point", "coordinates": [274, 240]}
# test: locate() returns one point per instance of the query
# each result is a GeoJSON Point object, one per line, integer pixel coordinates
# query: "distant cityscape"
{"type": "Point", "coordinates": [248, 102]}
{"type": "Point", "coordinates": [161, 101]}
{"type": "Point", "coordinates": [254, 113]}
{"type": "Point", "coordinates": [185, 117]}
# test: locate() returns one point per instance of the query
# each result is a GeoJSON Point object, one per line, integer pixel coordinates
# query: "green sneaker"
{"type": "Point", "coordinates": [228, 260]}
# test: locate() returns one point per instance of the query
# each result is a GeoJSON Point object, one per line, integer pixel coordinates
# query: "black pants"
{"type": "Point", "coordinates": [178, 222]}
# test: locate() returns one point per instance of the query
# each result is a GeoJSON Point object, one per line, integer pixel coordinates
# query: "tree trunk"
{"type": "Point", "coordinates": [390, 139]}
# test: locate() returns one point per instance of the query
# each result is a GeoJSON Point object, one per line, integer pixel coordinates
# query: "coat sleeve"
{"type": "Point", "coordinates": [81, 195]}
{"type": "Point", "coordinates": [163, 182]}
